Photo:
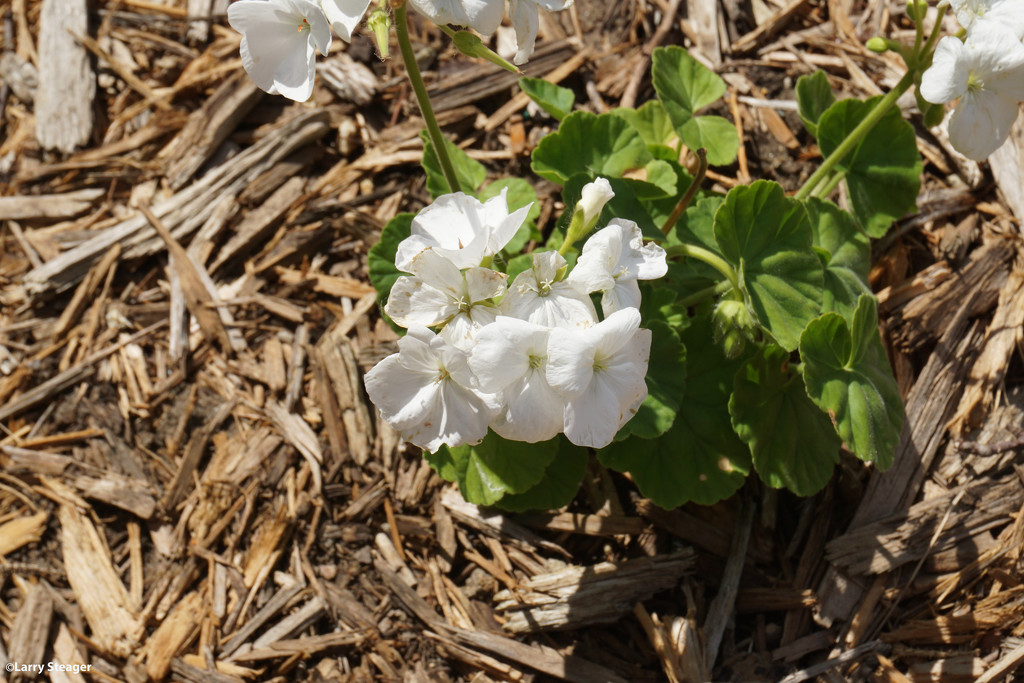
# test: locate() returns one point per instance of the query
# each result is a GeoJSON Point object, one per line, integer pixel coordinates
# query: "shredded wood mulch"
{"type": "Point", "coordinates": [194, 487]}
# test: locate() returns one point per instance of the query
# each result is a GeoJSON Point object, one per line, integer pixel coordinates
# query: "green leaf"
{"type": "Point", "coordinates": [847, 375]}
{"type": "Point", "coordinates": [652, 122]}
{"type": "Point", "coordinates": [681, 80]}
{"type": "Point", "coordinates": [602, 145]}
{"type": "Point", "coordinates": [849, 256]}
{"type": "Point", "coordinates": [494, 467]}
{"type": "Point", "coordinates": [767, 238]}
{"type": "Point", "coordinates": [471, 173]}
{"type": "Point", "coordinates": [700, 459]}
{"type": "Point", "coordinates": [813, 97]}
{"type": "Point", "coordinates": [558, 487]}
{"type": "Point", "coordinates": [883, 172]}
{"type": "Point", "coordinates": [666, 382]}
{"type": "Point", "coordinates": [381, 259]}
{"type": "Point", "coordinates": [520, 194]}
{"type": "Point", "coordinates": [553, 99]}
{"type": "Point", "coordinates": [793, 444]}
{"type": "Point", "coordinates": [697, 227]}
{"type": "Point", "coordinates": [715, 134]}
{"type": "Point", "coordinates": [684, 86]}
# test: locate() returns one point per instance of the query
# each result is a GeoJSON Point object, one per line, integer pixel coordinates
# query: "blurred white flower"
{"type": "Point", "coordinates": [539, 296]}
{"type": "Point", "coordinates": [462, 229]}
{"type": "Point", "coordinates": [986, 72]}
{"type": "Point", "coordinates": [441, 294]}
{"type": "Point", "coordinates": [483, 16]}
{"type": "Point", "coordinates": [525, 20]}
{"type": "Point", "coordinates": [600, 371]}
{"type": "Point", "coordinates": [612, 261]}
{"type": "Point", "coordinates": [344, 15]}
{"type": "Point", "coordinates": [510, 357]}
{"type": "Point", "coordinates": [278, 39]}
{"type": "Point", "coordinates": [1009, 13]}
{"type": "Point", "coordinates": [427, 393]}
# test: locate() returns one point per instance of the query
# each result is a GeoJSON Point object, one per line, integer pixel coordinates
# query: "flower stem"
{"type": "Point", "coordinates": [823, 191]}
{"type": "Point", "coordinates": [416, 79]}
{"type": "Point", "coordinates": [708, 257]}
{"type": "Point", "coordinates": [856, 135]}
{"type": "Point", "coordinates": [706, 293]}
{"type": "Point", "coordinates": [691, 192]}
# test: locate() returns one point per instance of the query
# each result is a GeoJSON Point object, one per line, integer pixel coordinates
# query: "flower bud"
{"type": "Point", "coordinates": [469, 44]}
{"type": "Point", "coordinates": [877, 44]}
{"type": "Point", "coordinates": [379, 22]}
{"type": "Point", "coordinates": [588, 210]}
{"type": "Point", "coordinates": [732, 326]}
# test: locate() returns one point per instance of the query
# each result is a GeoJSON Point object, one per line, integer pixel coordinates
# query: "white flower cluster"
{"type": "Point", "coordinates": [280, 38]}
{"type": "Point", "coordinates": [985, 71]}
{"type": "Point", "coordinates": [529, 360]}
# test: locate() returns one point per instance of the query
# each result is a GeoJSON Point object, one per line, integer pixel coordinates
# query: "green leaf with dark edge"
{"type": "Point", "coordinates": [813, 97]}
{"type": "Point", "coordinates": [381, 260]}
{"type": "Point", "coordinates": [793, 444]}
{"type": "Point", "coordinates": [624, 203]}
{"type": "Point", "coordinates": [700, 459]}
{"type": "Point", "coordinates": [849, 256]}
{"type": "Point", "coordinates": [520, 194]}
{"type": "Point", "coordinates": [558, 487]}
{"type": "Point", "coordinates": [602, 145]}
{"type": "Point", "coordinates": [659, 303]}
{"type": "Point", "coordinates": [494, 467]}
{"type": "Point", "coordinates": [767, 237]}
{"type": "Point", "coordinates": [666, 382]}
{"type": "Point", "coordinates": [883, 172]}
{"type": "Point", "coordinates": [471, 173]}
{"type": "Point", "coordinates": [553, 99]}
{"type": "Point", "coordinates": [847, 375]}
{"type": "Point", "coordinates": [681, 80]}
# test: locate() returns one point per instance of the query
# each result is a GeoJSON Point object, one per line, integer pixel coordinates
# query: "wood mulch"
{"type": "Point", "coordinates": [195, 488]}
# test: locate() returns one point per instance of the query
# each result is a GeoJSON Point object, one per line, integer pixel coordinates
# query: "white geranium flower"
{"type": "Point", "coordinates": [483, 16]}
{"type": "Point", "coordinates": [525, 20]}
{"type": "Point", "coordinates": [510, 358]}
{"type": "Point", "coordinates": [1009, 13]}
{"type": "Point", "coordinates": [537, 295]}
{"type": "Point", "coordinates": [344, 15]}
{"type": "Point", "coordinates": [601, 372]}
{"type": "Point", "coordinates": [278, 39]}
{"type": "Point", "coordinates": [592, 201]}
{"type": "Point", "coordinates": [987, 73]}
{"type": "Point", "coordinates": [426, 392]}
{"type": "Point", "coordinates": [462, 229]}
{"type": "Point", "coordinates": [441, 294]}
{"type": "Point", "coordinates": [612, 261]}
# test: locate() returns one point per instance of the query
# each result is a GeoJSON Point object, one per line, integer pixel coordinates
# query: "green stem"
{"type": "Point", "coordinates": [856, 135]}
{"type": "Point", "coordinates": [934, 37]}
{"type": "Point", "coordinates": [708, 257]}
{"type": "Point", "coordinates": [691, 192]}
{"type": "Point", "coordinates": [706, 293]}
{"type": "Point", "coordinates": [823, 191]}
{"type": "Point", "coordinates": [420, 88]}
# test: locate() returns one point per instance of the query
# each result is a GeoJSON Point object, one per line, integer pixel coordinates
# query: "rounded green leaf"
{"type": "Point", "coordinates": [494, 467]}
{"type": "Point", "coordinates": [558, 487]}
{"type": "Point", "coordinates": [883, 172]}
{"type": "Point", "coordinates": [602, 145]}
{"type": "Point", "coordinates": [847, 375]}
{"type": "Point", "coordinates": [792, 442]}
{"type": "Point", "coordinates": [717, 136]}
{"type": "Point", "coordinates": [767, 238]}
{"type": "Point", "coordinates": [681, 80]}
{"type": "Point", "coordinates": [849, 256]}
{"type": "Point", "coordinates": [470, 172]}
{"type": "Point", "coordinates": [700, 459]}
{"type": "Point", "coordinates": [813, 97]}
{"type": "Point", "coordinates": [552, 98]}
{"type": "Point", "coordinates": [652, 122]}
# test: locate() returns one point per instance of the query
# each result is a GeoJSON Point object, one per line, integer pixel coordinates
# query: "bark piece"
{"type": "Point", "coordinates": [67, 85]}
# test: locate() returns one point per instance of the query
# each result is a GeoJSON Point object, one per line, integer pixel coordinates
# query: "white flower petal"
{"type": "Point", "coordinates": [535, 411]}
{"type": "Point", "coordinates": [414, 302]}
{"type": "Point", "coordinates": [344, 15]}
{"type": "Point", "coordinates": [946, 79]}
{"type": "Point", "coordinates": [570, 366]}
{"type": "Point", "coordinates": [981, 124]}
{"type": "Point", "coordinates": [625, 294]}
{"type": "Point", "coordinates": [483, 283]}
{"type": "Point", "coordinates": [502, 353]}
{"type": "Point", "coordinates": [526, 22]}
